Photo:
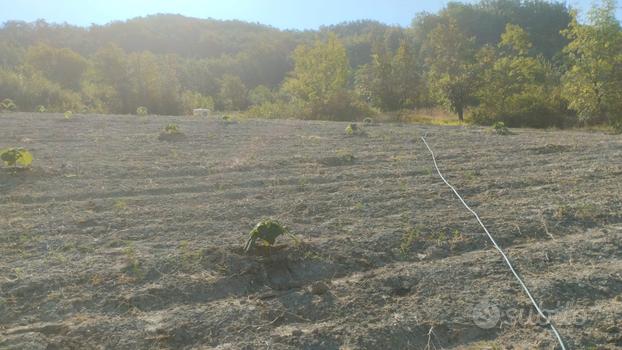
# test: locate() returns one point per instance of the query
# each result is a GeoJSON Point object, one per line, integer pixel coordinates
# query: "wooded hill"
{"type": "Point", "coordinates": [522, 62]}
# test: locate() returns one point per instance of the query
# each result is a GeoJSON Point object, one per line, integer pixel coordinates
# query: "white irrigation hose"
{"type": "Point", "coordinates": [533, 301]}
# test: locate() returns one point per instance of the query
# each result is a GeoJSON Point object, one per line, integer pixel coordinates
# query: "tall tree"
{"type": "Point", "coordinates": [450, 58]}
{"type": "Point", "coordinates": [593, 84]}
{"type": "Point", "coordinates": [518, 89]}
{"type": "Point", "coordinates": [233, 94]}
{"type": "Point", "coordinates": [63, 66]}
{"type": "Point", "coordinates": [320, 71]}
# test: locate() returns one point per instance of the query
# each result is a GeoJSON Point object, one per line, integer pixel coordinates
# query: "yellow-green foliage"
{"type": "Point", "coordinates": [8, 105]}
{"type": "Point", "coordinates": [68, 114]}
{"type": "Point", "coordinates": [593, 83]}
{"type": "Point", "coordinates": [500, 129]}
{"type": "Point", "coordinates": [142, 111]}
{"type": "Point", "coordinates": [266, 231]}
{"type": "Point", "coordinates": [171, 129]}
{"type": "Point", "coordinates": [192, 100]}
{"type": "Point", "coordinates": [16, 157]}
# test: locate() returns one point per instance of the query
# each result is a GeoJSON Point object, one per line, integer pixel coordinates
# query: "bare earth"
{"type": "Point", "coordinates": [116, 240]}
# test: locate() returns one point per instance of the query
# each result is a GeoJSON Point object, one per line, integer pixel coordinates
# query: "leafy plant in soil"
{"type": "Point", "coordinates": [171, 132]}
{"type": "Point", "coordinates": [266, 231]}
{"type": "Point", "coordinates": [16, 157]}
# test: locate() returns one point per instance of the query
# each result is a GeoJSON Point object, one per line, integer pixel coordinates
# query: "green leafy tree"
{"type": "Point", "coordinates": [593, 83]}
{"type": "Point", "coordinates": [319, 83]}
{"type": "Point", "coordinates": [450, 57]}
{"type": "Point", "coordinates": [517, 89]}
{"type": "Point", "coordinates": [261, 94]}
{"type": "Point", "coordinates": [391, 83]}
{"type": "Point", "coordinates": [233, 94]}
{"type": "Point", "coordinates": [63, 66]}
{"type": "Point", "coordinates": [320, 72]}
{"type": "Point", "coordinates": [191, 100]}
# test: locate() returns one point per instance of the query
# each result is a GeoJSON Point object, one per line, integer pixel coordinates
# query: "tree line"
{"type": "Point", "coordinates": [523, 62]}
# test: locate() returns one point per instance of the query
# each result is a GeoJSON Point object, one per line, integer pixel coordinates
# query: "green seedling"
{"type": "Point", "coordinates": [16, 157]}
{"type": "Point", "coordinates": [142, 111]}
{"type": "Point", "coordinates": [354, 130]}
{"type": "Point", "coordinates": [172, 129]}
{"type": "Point", "coordinates": [266, 231]}
{"type": "Point", "coordinates": [351, 129]}
{"type": "Point", "coordinates": [499, 128]}
{"type": "Point", "coordinates": [171, 132]}
{"type": "Point", "coordinates": [408, 239]}
{"type": "Point", "coordinates": [68, 115]}
{"type": "Point", "coordinates": [41, 109]}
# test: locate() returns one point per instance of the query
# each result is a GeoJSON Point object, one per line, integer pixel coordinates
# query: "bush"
{"type": "Point", "coordinates": [500, 129]}
{"type": "Point", "coordinates": [16, 157]}
{"type": "Point", "coordinates": [68, 115]}
{"type": "Point", "coordinates": [267, 231]}
{"type": "Point", "coordinates": [343, 106]}
{"type": "Point", "coordinates": [172, 129]}
{"type": "Point", "coordinates": [275, 110]}
{"type": "Point", "coordinates": [354, 130]}
{"type": "Point", "coordinates": [171, 132]}
{"type": "Point", "coordinates": [8, 105]}
{"type": "Point", "coordinates": [142, 111]}
{"type": "Point", "coordinates": [41, 109]}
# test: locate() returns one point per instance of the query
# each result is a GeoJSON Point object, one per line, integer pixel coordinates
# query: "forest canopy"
{"type": "Point", "coordinates": [526, 63]}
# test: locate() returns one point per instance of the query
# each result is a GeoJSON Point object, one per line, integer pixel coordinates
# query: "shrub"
{"type": "Point", "coordinates": [41, 109]}
{"type": "Point", "coordinates": [8, 105]}
{"type": "Point", "coordinates": [354, 130]}
{"type": "Point", "coordinates": [368, 121]}
{"type": "Point", "coordinates": [228, 120]}
{"type": "Point", "coordinates": [276, 110]}
{"type": "Point", "coordinates": [142, 111]}
{"type": "Point", "coordinates": [267, 231]}
{"type": "Point", "coordinates": [500, 129]}
{"type": "Point", "coordinates": [68, 115]}
{"type": "Point", "coordinates": [172, 129]}
{"type": "Point", "coordinates": [171, 132]}
{"type": "Point", "coordinates": [16, 157]}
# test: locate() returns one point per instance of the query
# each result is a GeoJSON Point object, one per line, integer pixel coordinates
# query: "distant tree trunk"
{"type": "Point", "coordinates": [460, 111]}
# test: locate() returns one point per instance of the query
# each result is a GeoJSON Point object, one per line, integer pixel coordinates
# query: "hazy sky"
{"type": "Point", "coordinates": [296, 14]}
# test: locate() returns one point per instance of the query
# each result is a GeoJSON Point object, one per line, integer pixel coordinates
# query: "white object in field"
{"type": "Point", "coordinates": [201, 112]}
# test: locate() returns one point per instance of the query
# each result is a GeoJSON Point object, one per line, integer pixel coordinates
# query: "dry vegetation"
{"type": "Point", "coordinates": [114, 239]}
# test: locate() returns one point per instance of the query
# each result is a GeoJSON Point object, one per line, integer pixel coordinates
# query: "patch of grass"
{"type": "Point", "coordinates": [408, 239]}
{"type": "Point", "coordinates": [485, 345]}
{"type": "Point", "coordinates": [120, 205]}
{"type": "Point", "coordinates": [133, 265]}
{"type": "Point", "coordinates": [429, 116]}
{"type": "Point", "coordinates": [142, 111]}
{"type": "Point", "coordinates": [582, 212]}
{"type": "Point", "coordinates": [342, 158]}
{"type": "Point", "coordinates": [190, 258]}
{"type": "Point", "coordinates": [171, 132]}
